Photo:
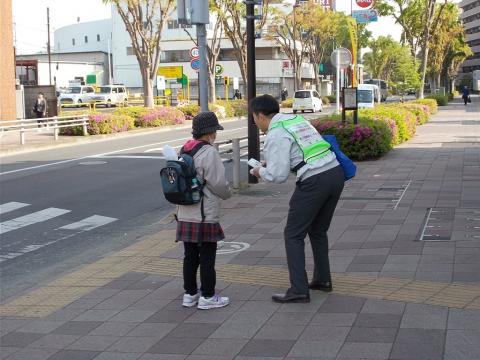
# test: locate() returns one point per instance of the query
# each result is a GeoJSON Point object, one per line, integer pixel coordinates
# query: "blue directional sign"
{"type": "Point", "coordinates": [195, 64]}
{"type": "Point", "coordinates": [365, 16]}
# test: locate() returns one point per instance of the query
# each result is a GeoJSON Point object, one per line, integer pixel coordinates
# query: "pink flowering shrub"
{"type": "Point", "coordinates": [368, 140]}
{"type": "Point", "coordinates": [161, 116]}
{"type": "Point", "coordinates": [108, 124]}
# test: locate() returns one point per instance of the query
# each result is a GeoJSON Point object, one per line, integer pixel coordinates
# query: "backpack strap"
{"type": "Point", "coordinates": [195, 149]}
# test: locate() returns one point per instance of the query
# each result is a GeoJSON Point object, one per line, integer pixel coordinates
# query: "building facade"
{"type": "Point", "coordinates": [88, 36]}
{"type": "Point", "coordinates": [7, 63]}
{"type": "Point", "coordinates": [471, 20]}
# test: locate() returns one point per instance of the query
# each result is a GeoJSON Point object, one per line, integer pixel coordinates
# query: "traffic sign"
{"type": "Point", "coordinates": [218, 69]}
{"type": "Point", "coordinates": [194, 52]}
{"type": "Point", "coordinates": [342, 57]}
{"type": "Point", "coordinates": [364, 3]}
{"type": "Point", "coordinates": [170, 72]}
{"type": "Point", "coordinates": [195, 64]}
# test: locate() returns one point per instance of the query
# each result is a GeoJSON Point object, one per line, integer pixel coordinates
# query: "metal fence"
{"type": "Point", "coordinates": [55, 123]}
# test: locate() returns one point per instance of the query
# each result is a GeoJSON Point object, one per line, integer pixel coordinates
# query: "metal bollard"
{"type": "Point", "coordinates": [84, 126]}
{"type": "Point", "coordinates": [22, 133]}
{"type": "Point", "coordinates": [55, 128]}
{"type": "Point", "coordinates": [236, 163]}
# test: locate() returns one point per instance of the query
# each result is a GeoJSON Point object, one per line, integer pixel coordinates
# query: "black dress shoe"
{"type": "Point", "coordinates": [291, 298]}
{"type": "Point", "coordinates": [322, 286]}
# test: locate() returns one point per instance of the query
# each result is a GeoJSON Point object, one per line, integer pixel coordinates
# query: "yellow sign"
{"type": "Point", "coordinates": [170, 72]}
{"type": "Point", "coordinates": [352, 27]}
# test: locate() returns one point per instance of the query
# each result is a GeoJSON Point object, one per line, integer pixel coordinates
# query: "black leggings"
{"type": "Point", "coordinates": [204, 256]}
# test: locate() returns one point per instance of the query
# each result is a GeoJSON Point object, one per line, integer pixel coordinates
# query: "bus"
{"type": "Point", "coordinates": [382, 84]}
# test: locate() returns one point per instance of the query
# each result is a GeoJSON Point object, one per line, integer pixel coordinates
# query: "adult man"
{"type": "Point", "coordinates": [284, 94]}
{"type": "Point", "coordinates": [293, 144]}
{"type": "Point", "coordinates": [40, 108]}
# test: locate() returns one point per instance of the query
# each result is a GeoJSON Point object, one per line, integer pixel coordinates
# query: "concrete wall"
{"type": "Point", "coordinates": [7, 63]}
{"type": "Point", "coordinates": [63, 36]}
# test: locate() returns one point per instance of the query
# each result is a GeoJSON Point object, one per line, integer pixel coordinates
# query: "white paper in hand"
{"type": "Point", "coordinates": [169, 153]}
{"type": "Point", "coordinates": [254, 163]}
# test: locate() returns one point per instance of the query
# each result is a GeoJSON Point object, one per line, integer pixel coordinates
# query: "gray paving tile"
{"type": "Point", "coordinates": [117, 356]}
{"type": "Point", "coordinates": [74, 355]}
{"type": "Point", "coordinates": [383, 307]}
{"type": "Point", "coordinates": [65, 314]}
{"type": "Point", "coordinates": [164, 316]}
{"type": "Point", "coordinates": [40, 326]}
{"type": "Point", "coordinates": [324, 333]}
{"type": "Point", "coordinates": [94, 343]}
{"type": "Point", "coordinates": [9, 325]}
{"type": "Point", "coordinates": [162, 357]}
{"type": "Point", "coordinates": [193, 330]}
{"type": "Point", "coordinates": [168, 345]}
{"type": "Point", "coordinates": [267, 347]}
{"type": "Point", "coordinates": [278, 332]}
{"type": "Point", "coordinates": [409, 351]}
{"type": "Point", "coordinates": [342, 304]}
{"type": "Point", "coordinates": [133, 344]}
{"type": "Point", "coordinates": [19, 339]}
{"type": "Point", "coordinates": [54, 341]}
{"type": "Point", "coordinates": [378, 320]}
{"type": "Point", "coordinates": [421, 336]}
{"type": "Point", "coordinates": [113, 329]}
{"type": "Point", "coordinates": [290, 318]}
{"type": "Point", "coordinates": [424, 317]}
{"type": "Point", "coordinates": [463, 319]}
{"type": "Point", "coordinates": [369, 259]}
{"type": "Point", "coordinates": [77, 327]}
{"type": "Point", "coordinates": [462, 345]}
{"type": "Point", "coordinates": [96, 315]}
{"type": "Point", "coordinates": [158, 330]}
{"type": "Point", "coordinates": [333, 319]}
{"type": "Point", "coordinates": [32, 354]}
{"type": "Point", "coordinates": [259, 307]}
{"type": "Point", "coordinates": [6, 351]}
{"type": "Point", "coordinates": [236, 331]}
{"type": "Point", "coordinates": [132, 315]}
{"type": "Point", "coordinates": [369, 351]}
{"type": "Point", "coordinates": [220, 347]}
{"type": "Point", "coordinates": [365, 267]}
{"type": "Point", "coordinates": [369, 334]}
{"type": "Point", "coordinates": [248, 318]}
{"type": "Point", "coordinates": [312, 349]}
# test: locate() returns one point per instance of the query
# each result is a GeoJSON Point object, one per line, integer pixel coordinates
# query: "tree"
{"type": "Point", "coordinates": [232, 14]}
{"type": "Point", "coordinates": [419, 20]}
{"type": "Point", "coordinates": [144, 21]}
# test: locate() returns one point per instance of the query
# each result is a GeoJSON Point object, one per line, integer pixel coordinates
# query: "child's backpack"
{"type": "Point", "coordinates": [179, 179]}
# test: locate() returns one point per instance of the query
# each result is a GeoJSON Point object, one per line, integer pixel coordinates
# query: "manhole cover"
{"type": "Point", "coordinates": [92, 163]}
{"type": "Point", "coordinates": [260, 193]}
{"type": "Point", "coordinates": [231, 247]}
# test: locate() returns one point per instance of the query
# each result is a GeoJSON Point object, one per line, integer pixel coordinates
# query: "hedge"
{"type": "Point", "coordinates": [133, 111]}
{"type": "Point", "coordinates": [161, 116]}
{"type": "Point", "coordinates": [442, 100]}
{"type": "Point", "coordinates": [102, 124]}
{"type": "Point", "coordinates": [189, 110]}
{"type": "Point", "coordinates": [431, 103]}
{"type": "Point", "coordinates": [287, 103]}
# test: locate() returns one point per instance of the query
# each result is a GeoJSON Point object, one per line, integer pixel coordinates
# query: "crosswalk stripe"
{"type": "Point", "coordinates": [11, 206]}
{"type": "Point", "coordinates": [89, 223]}
{"type": "Point", "coordinates": [33, 218]}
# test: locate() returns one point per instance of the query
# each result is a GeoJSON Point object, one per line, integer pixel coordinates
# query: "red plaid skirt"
{"type": "Point", "coordinates": [199, 232]}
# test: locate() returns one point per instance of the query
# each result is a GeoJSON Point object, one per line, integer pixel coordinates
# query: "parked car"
{"type": "Point", "coordinates": [76, 95]}
{"type": "Point", "coordinates": [411, 92]}
{"type": "Point", "coordinates": [111, 95]}
{"type": "Point", "coordinates": [367, 95]}
{"type": "Point", "coordinates": [307, 100]}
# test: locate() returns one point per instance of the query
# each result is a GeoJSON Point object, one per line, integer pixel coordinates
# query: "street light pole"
{"type": "Point", "coordinates": [253, 133]}
{"type": "Point", "coordinates": [294, 48]}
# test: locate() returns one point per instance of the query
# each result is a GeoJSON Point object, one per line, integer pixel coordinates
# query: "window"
{"type": "Point", "coordinates": [365, 96]}
{"type": "Point", "coordinates": [315, 94]}
{"type": "Point", "coordinates": [172, 24]}
{"type": "Point", "coordinates": [98, 37]}
{"type": "Point", "coordinates": [302, 95]}
{"type": "Point", "coordinates": [73, 42]}
{"type": "Point", "coordinates": [86, 39]}
{"type": "Point", "coordinates": [121, 90]}
{"type": "Point", "coordinates": [175, 56]}
{"type": "Point", "coordinates": [130, 51]}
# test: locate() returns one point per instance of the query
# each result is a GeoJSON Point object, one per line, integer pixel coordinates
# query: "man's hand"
{"type": "Point", "coordinates": [255, 172]}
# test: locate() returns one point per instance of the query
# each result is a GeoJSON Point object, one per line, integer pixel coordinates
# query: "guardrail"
{"type": "Point", "coordinates": [57, 122]}
{"type": "Point", "coordinates": [234, 148]}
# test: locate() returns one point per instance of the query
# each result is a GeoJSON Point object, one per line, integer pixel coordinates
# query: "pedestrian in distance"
{"type": "Point", "coordinates": [465, 95]}
{"type": "Point", "coordinates": [293, 145]}
{"type": "Point", "coordinates": [237, 95]}
{"type": "Point", "coordinates": [284, 94]}
{"type": "Point", "coordinates": [40, 109]}
{"type": "Point", "coordinates": [198, 225]}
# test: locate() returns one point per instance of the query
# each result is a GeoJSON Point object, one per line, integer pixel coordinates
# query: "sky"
{"type": "Point", "coordinates": [30, 18]}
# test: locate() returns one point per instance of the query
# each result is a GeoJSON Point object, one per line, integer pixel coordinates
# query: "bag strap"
{"type": "Point", "coordinates": [195, 149]}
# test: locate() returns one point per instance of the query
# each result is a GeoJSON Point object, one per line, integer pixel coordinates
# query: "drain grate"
{"type": "Point", "coordinates": [439, 224]}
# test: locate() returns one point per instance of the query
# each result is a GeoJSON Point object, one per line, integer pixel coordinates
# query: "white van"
{"type": "Point", "coordinates": [76, 95]}
{"type": "Point", "coordinates": [307, 100]}
{"type": "Point", "coordinates": [111, 95]}
{"type": "Point", "coordinates": [367, 95]}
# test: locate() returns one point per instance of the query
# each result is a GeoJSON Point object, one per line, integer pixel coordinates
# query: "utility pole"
{"type": "Point", "coordinates": [294, 48]}
{"type": "Point", "coordinates": [48, 48]}
{"type": "Point", "coordinates": [203, 74]}
{"type": "Point", "coordinates": [253, 133]}
{"type": "Point", "coordinates": [109, 63]}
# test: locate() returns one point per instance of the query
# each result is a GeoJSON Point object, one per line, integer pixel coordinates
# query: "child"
{"type": "Point", "coordinates": [198, 225]}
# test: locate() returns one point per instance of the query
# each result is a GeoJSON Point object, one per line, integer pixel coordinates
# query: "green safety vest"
{"type": "Point", "coordinates": [313, 146]}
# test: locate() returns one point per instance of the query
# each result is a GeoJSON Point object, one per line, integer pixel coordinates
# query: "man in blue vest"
{"type": "Point", "coordinates": [293, 145]}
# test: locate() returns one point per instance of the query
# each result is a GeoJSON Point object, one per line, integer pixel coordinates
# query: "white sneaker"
{"type": "Point", "coordinates": [214, 302]}
{"type": "Point", "coordinates": [190, 300]}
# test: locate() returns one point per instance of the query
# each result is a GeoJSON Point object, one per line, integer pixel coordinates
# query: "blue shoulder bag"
{"type": "Point", "coordinates": [349, 168]}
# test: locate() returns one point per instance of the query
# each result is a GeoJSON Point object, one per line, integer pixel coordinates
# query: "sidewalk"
{"type": "Point", "coordinates": [405, 252]}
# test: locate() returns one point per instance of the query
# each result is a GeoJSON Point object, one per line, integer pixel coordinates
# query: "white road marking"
{"type": "Point", "coordinates": [33, 218]}
{"type": "Point", "coordinates": [11, 206]}
{"type": "Point", "coordinates": [107, 153]}
{"type": "Point", "coordinates": [89, 223]}
{"type": "Point", "coordinates": [129, 157]}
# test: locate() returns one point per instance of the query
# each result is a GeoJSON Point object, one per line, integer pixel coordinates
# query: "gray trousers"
{"type": "Point", "coordinates": [311, 210]}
